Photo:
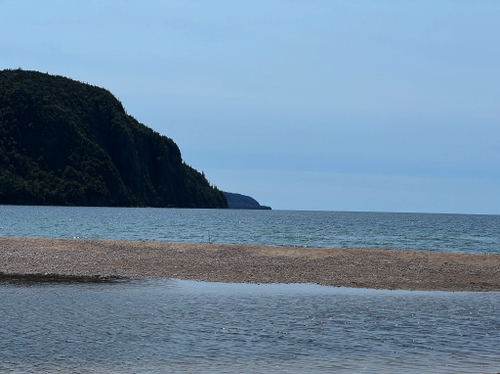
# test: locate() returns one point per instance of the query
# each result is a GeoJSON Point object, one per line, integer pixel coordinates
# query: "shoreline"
{"type": "Point", "coordinates": [108, 260]}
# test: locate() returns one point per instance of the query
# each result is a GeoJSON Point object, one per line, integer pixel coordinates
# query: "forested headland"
{"type": "Point", "coordinates": [63, 142]}
{"type": "Point", "coordinates": [239, 201]}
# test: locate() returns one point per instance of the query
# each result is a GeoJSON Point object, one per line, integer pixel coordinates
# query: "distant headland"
{"type": "Point", "coordinates": [238, 201]}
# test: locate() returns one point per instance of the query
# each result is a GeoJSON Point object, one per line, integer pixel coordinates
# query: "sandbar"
{"type": "Point", "coordinates": [235, 263]}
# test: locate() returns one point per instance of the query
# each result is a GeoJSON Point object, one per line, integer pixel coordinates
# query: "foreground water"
{"type": "Point", "coordinates": [169, 326]}
{"type": "Point", "coordinates": [416, 231]}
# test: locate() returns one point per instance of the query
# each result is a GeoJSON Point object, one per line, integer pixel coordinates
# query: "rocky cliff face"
{"type": "Point", "coordinates": [63, 142]}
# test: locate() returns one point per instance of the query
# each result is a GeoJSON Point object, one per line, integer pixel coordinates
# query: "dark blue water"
{"type": "Point", "coordinates": [416, 231]}
{"type": "Point", "coordinates": [167, 326]}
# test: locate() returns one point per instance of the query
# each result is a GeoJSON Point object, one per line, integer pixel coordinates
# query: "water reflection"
{"type": "Point", "coordinates": [158, 326]}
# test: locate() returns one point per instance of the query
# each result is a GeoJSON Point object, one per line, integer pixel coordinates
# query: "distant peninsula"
{"type": "Point", "coordinates": [238, 201]}
{"type": "Point", "coordinates": [63, 142]}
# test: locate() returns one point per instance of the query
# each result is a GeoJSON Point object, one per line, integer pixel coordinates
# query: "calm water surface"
{"type": "Point", "coordinates": [167, 326]}
{"type": "Point", "coordinates": [434, 232]}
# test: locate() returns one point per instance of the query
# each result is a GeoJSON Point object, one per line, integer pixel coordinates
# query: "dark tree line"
{"type": "Point", "coordinates": [63, 142]}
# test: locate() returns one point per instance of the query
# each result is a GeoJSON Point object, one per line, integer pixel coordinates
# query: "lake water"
{"type": "Point", "coordinates": [172, 326]}
{"type": "Point", "coordinates": [417, 231]}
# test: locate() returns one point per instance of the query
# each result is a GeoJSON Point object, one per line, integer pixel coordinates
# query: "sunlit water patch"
{"type": "Point", "coordinates": [162, 326]}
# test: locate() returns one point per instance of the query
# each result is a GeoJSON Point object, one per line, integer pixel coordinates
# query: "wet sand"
{"type": "Point", "coordinates": [366, 268]}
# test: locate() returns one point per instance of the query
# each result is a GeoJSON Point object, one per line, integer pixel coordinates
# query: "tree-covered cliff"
{"type": "Point", "coordinates": [63, 142]}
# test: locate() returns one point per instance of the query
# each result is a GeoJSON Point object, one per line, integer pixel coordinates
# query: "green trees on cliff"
{"type": "Point", "coordinates": [63, 142]}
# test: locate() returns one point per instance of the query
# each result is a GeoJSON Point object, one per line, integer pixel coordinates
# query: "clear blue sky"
{"type": "Point", "coordinates": [302, 104]}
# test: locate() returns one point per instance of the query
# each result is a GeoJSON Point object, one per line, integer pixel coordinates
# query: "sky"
{"type": "Point", "coordinates": [302, 104]}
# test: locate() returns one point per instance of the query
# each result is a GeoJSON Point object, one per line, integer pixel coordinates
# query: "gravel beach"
{"type": "Point", "coordinates": [366, 268]}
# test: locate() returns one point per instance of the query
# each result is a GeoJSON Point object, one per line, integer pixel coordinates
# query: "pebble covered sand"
{"type": "Point", "coordinates": [367, 268]}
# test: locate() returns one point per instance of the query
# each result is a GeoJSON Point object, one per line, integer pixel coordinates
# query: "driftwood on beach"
{"type": "Point", "coordinates": [367, 268]}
